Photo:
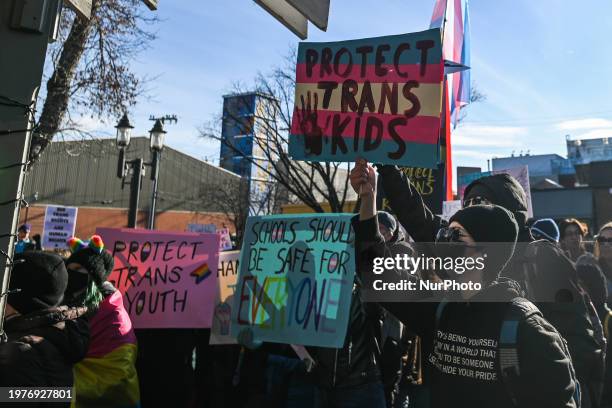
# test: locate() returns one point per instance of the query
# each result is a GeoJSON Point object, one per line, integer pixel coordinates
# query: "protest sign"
{"type": "Point", "coordinates": [59, 225]}
{"type": "Point", "coordinates": [227, 275]}
{"type": "Point", "coordinates": [205, 228]}
{"type": "Point", "coordinates": [428, 182]}
{"type": "Point", "coordinates": [521, 174]}
{"type": "Point", "coordinates": [378, 98]}
{"type": "Point", "coordinates": [296, 279]}
{"type": "Point", "coordinates": [225, 240]}
{"type": "Point", "coordinates": [449, 208]}
{"type": "Point", "coordinates": [167, 279]}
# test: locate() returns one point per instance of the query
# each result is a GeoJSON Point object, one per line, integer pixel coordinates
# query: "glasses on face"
{"type": "Point", "coordinates": [449, 235]}
{"type": "Point", "coordinates": [475, 201]}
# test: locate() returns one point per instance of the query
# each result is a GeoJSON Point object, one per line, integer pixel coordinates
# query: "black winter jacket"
{"type": "Point", "coordinates": [462, 361]}
{"type": "Point", "coordinates": [42, 348]}
{"type": "Point", "coordinates": [358, 361]}
{"type": "Point", "coordinates": [555, 273]}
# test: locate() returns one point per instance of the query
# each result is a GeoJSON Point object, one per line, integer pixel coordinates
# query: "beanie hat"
{"type": "Point", "coordinates": [92, 256]}
{"type": "Point", "coordinates": [490, 223]}
{"type": "Point", "coordinates": [387, 220]}
{"type": "Point", "coordinates": [25, 228]}
{"type": "Point", "coordinates": [487, 223]}
{"type": "Point", "coordinates": [545, 228]}
{"type": "Point", "coordinates": [41, 278]}
{"type": "Point", "coordinates": [503, 190]}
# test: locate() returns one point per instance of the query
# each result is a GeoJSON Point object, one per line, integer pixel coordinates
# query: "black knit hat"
{"type": "Point", "coordinates": [490, 223]}
{"type": "Point", "coordinates": [41, 278]}
{"type": "Point", "coordinates": [503, 190]}
{"type": "Point", "coordinates": [545, 228]}
{"type": "Point", "coordinates": [92, 256]}
{"type": "Point", "coordinates": [487, 223]}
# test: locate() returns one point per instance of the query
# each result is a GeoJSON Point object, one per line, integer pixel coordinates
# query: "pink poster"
{"type": "Point", "coordinates": [168, 279]}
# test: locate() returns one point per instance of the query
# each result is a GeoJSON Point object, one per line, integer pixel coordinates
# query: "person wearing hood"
{"type": "Point", "coordinates": [107, 376]}
{"type": "Point", "coordinates": [468, 359]}
{"type": "Point", "coordinates": [45, 339]}
{"type": "Point", "coordinates": [554, 286]}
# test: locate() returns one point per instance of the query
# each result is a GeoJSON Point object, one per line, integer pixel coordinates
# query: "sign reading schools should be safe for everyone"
{"type": "Point", "coordinates": [296, 279]}
{"type": "Point", "coordinates": [59, 225]}
{"type": "Point", "coordinates": [227, 275]}
{"type": "Point", "coordinates": [378, 98]}
{"type": "Point", "coordinates": [168, 279]}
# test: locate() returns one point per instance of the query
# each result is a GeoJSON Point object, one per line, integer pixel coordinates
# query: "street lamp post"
{"type": "Point", "coordinates": [157, 135]}
{"type": "Point", "coordinates": [156, 139]}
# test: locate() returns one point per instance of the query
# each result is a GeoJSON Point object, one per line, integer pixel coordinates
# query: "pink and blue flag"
{"type": "Point", "coordinates": [452, 17]}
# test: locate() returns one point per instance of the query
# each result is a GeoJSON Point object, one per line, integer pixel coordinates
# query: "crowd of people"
{"type": "Point", "coordinates": [537, 331]}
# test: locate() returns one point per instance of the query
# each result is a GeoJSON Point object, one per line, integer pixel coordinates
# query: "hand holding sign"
{"type": "Point", "coordinates": [363, 178]}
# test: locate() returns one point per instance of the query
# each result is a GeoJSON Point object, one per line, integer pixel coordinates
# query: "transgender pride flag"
{"type": "Point", "coordinates": [452, 17]}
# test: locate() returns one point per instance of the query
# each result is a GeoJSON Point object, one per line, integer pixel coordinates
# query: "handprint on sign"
{"type": "Point", "coordinates": [308, 118]}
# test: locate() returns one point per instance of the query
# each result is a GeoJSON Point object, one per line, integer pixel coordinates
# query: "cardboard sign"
{"type": "Point", "coordinates": [296, 279]}
{"type": "Point", "coordinates": [521, 174]}
{"type": "Point", "coordinates": [428, 182]}
{"type": "Point", "coordinates": [59, 225]}
{"type": "Point", "coordinates": [378, 98]}
{"type": "Point", "coordinates": [227, 275]}
{"type": "Point", "coordinates": [167, 279]}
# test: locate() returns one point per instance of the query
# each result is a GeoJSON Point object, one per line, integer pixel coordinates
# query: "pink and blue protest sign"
{"type": "Point", "coordinates": [168, 279]}
{"type": "Point", "coordinates": [378, 98]}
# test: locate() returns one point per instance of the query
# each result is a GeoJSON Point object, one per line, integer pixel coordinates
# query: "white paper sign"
{"type": "Point", "coordinates": [59, 225]}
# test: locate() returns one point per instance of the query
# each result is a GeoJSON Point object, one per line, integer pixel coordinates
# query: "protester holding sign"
{"type": "Point", "coordinates": [168, 282]}
{"type": "Point", "coordinates": [464, 364]}
{"type": "Point", "coordinates": [107, 376]}
{"type": "Point", "coordinates": [567, 309]}
{"type": "Point", "coordinates": [296, 285]}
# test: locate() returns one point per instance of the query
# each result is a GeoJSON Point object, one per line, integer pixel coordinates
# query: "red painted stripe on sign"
{"type": "Point", "coordinates": [419, 129]}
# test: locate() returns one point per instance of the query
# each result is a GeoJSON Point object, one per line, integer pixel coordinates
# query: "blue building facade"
{"type": "Point", "coordinates": [247, 124]}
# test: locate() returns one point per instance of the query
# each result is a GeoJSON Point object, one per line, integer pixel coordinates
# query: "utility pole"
{"type": "Point", "coordinates": [26, 27]}
{"type": "Point", "coordinates": [135, 185]}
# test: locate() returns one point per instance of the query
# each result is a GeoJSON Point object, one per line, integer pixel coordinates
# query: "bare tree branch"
{"type": "Point", "coordinates": [92, 65]}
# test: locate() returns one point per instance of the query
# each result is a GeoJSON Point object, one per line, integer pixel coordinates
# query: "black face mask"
{"type": "Point", "coordinates": [449, 245]}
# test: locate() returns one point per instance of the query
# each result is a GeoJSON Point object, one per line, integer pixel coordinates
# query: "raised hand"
{"type": "Point", "coordinates": [308, 118]}
{"type": "Point", "coordinates": [363, 178]}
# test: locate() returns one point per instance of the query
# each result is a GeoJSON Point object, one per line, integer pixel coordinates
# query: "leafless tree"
{"type": "Point", "coordinates": [311, 183]}
{"type": "Point", "coordinates": [90, 68]}
{"type": "Point", "coordinates": [476, 95]}
{"type": "Point", "coordinates": [237, 202]}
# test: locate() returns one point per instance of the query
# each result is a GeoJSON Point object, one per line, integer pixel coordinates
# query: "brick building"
{"type": "Point", "coordinates": [83, 174]}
